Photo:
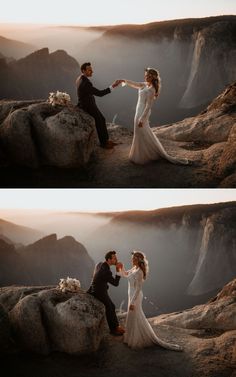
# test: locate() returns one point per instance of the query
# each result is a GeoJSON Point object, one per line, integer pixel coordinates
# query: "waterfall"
{"type": "Point", "coordinates": [186, 100]}
{"type": "Point", "coordinates": [208, 230]}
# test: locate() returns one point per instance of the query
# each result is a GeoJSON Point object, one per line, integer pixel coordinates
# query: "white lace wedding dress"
{"type": "Point", "coordinates": [138, 331]}
{"type": "Point", "coordinates": [145, 145]}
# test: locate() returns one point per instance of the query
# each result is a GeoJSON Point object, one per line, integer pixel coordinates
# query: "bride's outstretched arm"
{"type": "Point", "coordinates": [134, 84]}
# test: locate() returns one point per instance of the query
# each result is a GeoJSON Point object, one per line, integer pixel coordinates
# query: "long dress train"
{"type": "Point", "coordinates": [138, 331]}
{"type": "Point", "coordinates": [145, 145]}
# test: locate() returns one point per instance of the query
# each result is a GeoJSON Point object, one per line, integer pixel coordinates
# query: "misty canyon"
{"type": "Point", "coordinates": [196, 59]}
{"type": "Point", "coordinates": [191, 252]}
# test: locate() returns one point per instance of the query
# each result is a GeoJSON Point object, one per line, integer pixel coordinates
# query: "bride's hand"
{"type": "Point", "coordinates": [131, 307]}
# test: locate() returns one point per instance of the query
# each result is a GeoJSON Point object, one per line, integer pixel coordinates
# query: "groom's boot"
{"type": "Point", "coordinates": [118, 331]}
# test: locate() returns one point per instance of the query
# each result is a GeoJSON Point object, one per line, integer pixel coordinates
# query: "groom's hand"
{"type": "Point", "coordinates": [116, 83]}
{"type": "Point", "coordinates": [131, 307]}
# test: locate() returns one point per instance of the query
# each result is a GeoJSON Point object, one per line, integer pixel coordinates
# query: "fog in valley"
{"type": "Point", "coordinates": [172, 253]}
{"type": "Point", "coordinates": [114, 58]}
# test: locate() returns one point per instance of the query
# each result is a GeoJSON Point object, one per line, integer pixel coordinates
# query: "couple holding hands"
{"type": "Point", "coordinates": [145, 146]}
{"type": "Point", "coordinates": [138, 332]}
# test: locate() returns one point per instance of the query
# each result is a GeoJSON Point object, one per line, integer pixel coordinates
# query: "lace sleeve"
{"type": "Point", "coordinates": [138, 287]}
{"type": "Point", "coordinates": [134, 84]}
{"type": "Point", "coordinates": [148, 106]}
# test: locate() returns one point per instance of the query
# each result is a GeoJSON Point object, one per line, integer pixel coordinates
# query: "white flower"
{"type": "Point", "coordinates": [69, 285]}
{"type": "Point", "coordinates": [59, 98]}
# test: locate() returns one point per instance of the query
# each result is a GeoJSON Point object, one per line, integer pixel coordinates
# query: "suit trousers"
{"type": "Point", "coordinates": [100, 123]}
{"type": "Point", "coordinates": [110, 311]}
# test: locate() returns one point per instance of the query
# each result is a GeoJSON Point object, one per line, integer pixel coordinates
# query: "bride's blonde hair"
{"type": "Point", "coordinates": [142, 262]}
{"type": "Point", "coordinates": [156, 80]}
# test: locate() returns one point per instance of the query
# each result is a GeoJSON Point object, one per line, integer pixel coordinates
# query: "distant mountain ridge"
{"type": "Point", "coordinates": [165, 216]}
{"type": "Point", "coordinates": [168, 29]}
{"type": "Point", "coordinates": [38, 74]}
{"type": "Point", "coordinates": [18, 233]}
{"type": "Point", "coordinates": [45, 261]}
{"type": "Point", "coordinates": [15, 49]}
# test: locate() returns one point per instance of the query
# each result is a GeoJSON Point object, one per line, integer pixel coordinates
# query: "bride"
{"type": "Point", "coordinates": [138, 332]}
{"type": "Point", "coordinates": [145, 145]}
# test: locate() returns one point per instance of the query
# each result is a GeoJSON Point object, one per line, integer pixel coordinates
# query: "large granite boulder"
{"type": "Point", "coordinates": [219, 313]}
{"type": "Point", "coordinates": [43, 319]}
{"type": "Point", "coordinates": [5, 332]}
{"type": "Point", "coordinates": [209, 127]}
{"type": "Point", "coordinates": [38, 134]}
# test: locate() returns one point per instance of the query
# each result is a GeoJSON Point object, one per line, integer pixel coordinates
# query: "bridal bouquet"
{"type": "Point", "coordinates": [69, 285]}
{"type": "Point", "coordinates": [59, 98]}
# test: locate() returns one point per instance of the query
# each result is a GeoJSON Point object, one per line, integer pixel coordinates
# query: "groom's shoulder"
{"type": "Point", "coordinates": [104, 267]}
{"type": "Point", "coordinates": [82, 79]}
{"type": "Point", "coordinates": [98, 266]}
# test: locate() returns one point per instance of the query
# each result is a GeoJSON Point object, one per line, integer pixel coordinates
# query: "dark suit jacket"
{"type": "Point", "coordinates": [86, 92]}
{"type": "Point", "coordinates": [102, 276]}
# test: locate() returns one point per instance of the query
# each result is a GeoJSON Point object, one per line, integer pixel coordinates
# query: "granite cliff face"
{"type": "Point", "coordinates": [217, 253]}
{"type": "Point", "coordinates": [213, 61]}
{"type": "Point", "coordinates": [45, 262]}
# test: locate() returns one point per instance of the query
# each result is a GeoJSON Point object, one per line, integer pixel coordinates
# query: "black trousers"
{"type": "Point", "coordinates": [101, 127]}
{"type": "Point", "coordinates": [110, 311]}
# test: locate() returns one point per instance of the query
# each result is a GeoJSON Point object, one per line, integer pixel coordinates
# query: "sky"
{"type": "Point", "coordinates": [102, 200]}
{"type": "Point", "coordinates": [109, 12]}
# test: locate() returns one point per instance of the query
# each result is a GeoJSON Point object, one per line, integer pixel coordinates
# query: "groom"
{"type": "Point", "coordinates": [86, 101]}
{"type": "Point", "coordinates": [99, 286]}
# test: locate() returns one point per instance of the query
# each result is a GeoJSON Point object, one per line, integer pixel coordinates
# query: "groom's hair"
{"type": "Point", "coordinates": [109, 254]}
{"type": "Point", "coordinates": [84, 66]}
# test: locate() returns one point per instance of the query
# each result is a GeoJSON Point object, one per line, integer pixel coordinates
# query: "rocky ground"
{"type": "Point", "coordinates": [206, 332]}
{"type": "Point", "coordinates": [55, 148]}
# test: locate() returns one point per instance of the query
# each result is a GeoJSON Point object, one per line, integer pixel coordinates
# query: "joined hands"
{"type": "Point", "coordinates": [119, 266]}
{"type": "Point", "coordinates": [117, 83]}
